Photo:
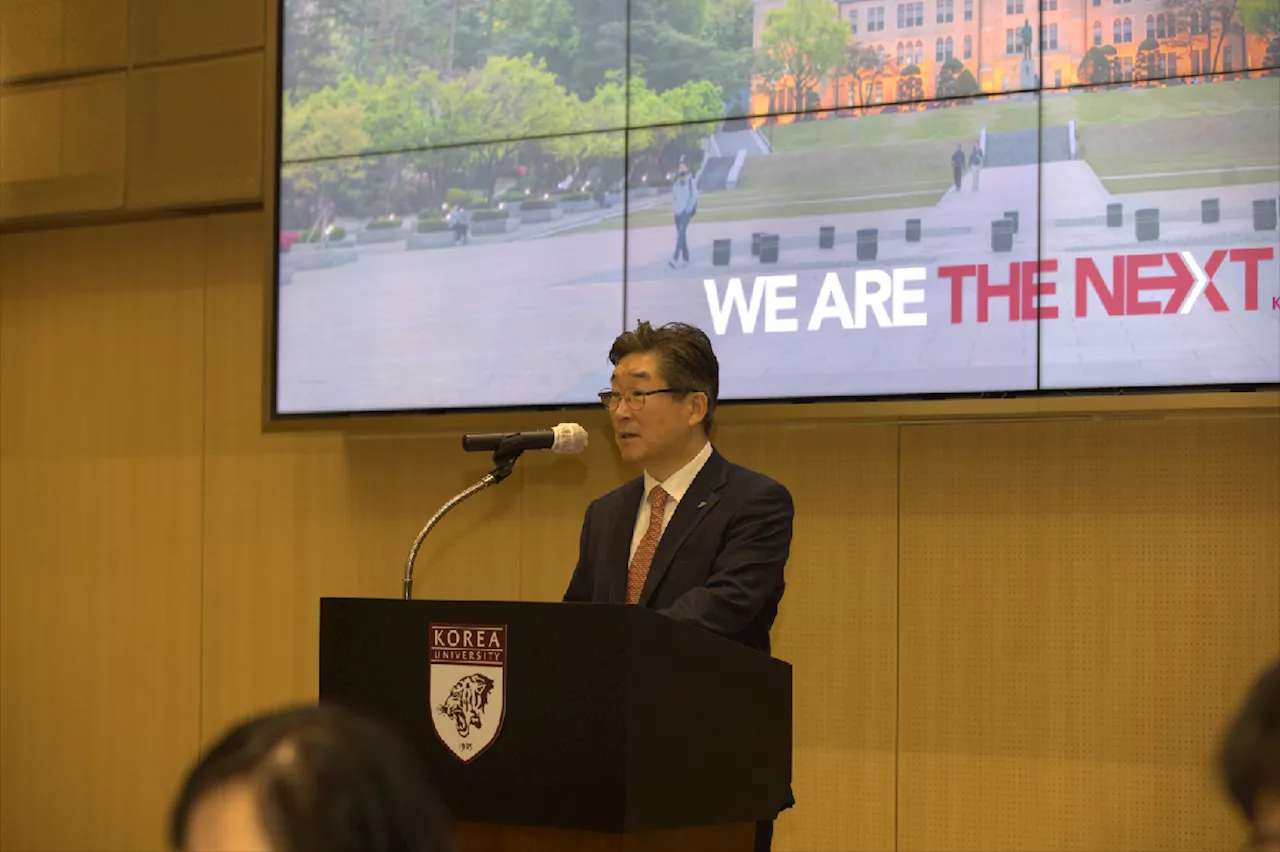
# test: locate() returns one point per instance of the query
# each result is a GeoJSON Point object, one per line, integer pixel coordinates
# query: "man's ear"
{"type": "Point", "coordinates": [697, 407]}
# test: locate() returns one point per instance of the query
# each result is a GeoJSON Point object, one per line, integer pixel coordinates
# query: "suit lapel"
{"type": "Point", "coordinates": [619, 553]}
{"type": "Point", "coordinates": [695, 505]}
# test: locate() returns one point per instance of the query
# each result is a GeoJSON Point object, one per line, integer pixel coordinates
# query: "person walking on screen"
{"type": "Point", "coordinates": [459, 220]}
{"type": "Point", "coordinates": [684, 203]}
{"type": "Point", "coordinates": [695, 537]}
{"type": "Point", "coordinates": [975, 164]}
{"type": "Point", "coordinates": [957, 165]}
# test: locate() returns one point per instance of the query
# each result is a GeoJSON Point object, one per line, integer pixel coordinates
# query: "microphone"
{"type": "Point", "coordinates": [564, 438]}
{"type": "Point", "coordinates": [506, 447]}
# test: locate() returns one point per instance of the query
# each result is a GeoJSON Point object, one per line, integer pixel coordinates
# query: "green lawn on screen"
{"type": "Point", "coordinates": [1180, 129]}
{"type": "Point", "coordinates": [832, 165]}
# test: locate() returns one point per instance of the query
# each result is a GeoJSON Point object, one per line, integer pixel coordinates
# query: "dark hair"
{"type": "Point", "coordinates": [684, 355]}
{"type": "Point", "coordinates": [324, 780]}
{"type": "Point", "coordinates": [1250, 756]}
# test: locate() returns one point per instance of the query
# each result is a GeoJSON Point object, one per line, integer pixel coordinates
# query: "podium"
{"type": "Point", "coordinates": [570, 726]}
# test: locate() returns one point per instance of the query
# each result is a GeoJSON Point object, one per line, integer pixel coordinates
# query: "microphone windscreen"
{"type": "Point", "coordinates": [570, 438]}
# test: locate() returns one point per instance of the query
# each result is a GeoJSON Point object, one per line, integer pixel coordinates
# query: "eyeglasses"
{"type": "Point", "coordinates": [635, 398]}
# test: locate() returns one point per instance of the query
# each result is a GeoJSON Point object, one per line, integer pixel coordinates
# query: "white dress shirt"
{"type": "Point", "coordinates": [675, 485]}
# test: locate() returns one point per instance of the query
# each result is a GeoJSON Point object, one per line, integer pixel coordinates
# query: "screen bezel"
{"type": "Point", "coordinates": [271, 364]}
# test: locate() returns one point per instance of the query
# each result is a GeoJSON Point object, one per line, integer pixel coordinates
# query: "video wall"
{"type": "Point", "coordinates": [853, 198]}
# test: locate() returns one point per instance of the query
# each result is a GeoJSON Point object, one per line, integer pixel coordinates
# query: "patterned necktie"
{"type": "Point", "coordinates": [640, 563]}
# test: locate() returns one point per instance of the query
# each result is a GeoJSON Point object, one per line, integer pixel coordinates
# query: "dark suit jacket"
{"type": "Point", "coordinates": [719, 562]}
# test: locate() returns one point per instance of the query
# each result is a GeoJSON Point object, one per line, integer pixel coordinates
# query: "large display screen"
{"type": "Point", "coordinates": [854, 198]}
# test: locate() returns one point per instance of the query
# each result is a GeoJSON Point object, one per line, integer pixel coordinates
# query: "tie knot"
{"type": "Point", "coordinates": [657, 497]}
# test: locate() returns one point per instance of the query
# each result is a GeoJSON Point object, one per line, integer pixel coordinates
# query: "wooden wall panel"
{"type": "Point", "coordinates": [196, 133]}
{"type": "Point", "coordinates": [291, 518]}
{"type": "Point", "coordinates": [275, 508]}
{"type": "Point", "coordinates": [554, 494]}
{"type": "Point", "coordinates": [100, 491]}
{"type": "Point", "coordinates": [62, 148]}
{"type": "Point", "coordinates": [1005, 636]}
{"type": "Point", "coordinates": [1082, 606]}
{"type": "Point", "coordinates": [1081, 603]}
{"type": "Point", "coordinates": [40, 38]}
{"type": "Point", "coordinates": [165, 30]}
{"type": "Point", "coordinates": [837, 625]}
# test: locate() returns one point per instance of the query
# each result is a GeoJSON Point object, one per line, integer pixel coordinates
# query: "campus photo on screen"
{"type": "Point", "coordinates": [854, 198]}
{"type": "Point", "coordinates": [451, 277]}
{"type": "Point", "coordinates": [1162, 235]}
{"type": "Point", "coordinates": [814, 261]}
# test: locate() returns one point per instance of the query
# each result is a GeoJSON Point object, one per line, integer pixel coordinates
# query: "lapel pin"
{"type": "Point", "coordinates": [702, 504]}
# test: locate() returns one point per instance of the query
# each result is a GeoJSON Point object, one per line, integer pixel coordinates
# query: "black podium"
{"type": "Point", "coordinates": [594, 723]}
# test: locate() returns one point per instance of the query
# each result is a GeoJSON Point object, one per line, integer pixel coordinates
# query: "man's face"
{"type": "Point", "coordinates": [662, 427]}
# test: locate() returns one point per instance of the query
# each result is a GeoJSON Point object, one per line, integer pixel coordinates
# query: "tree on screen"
{"type": "Point", "coordinates": [729, 27]}
{"type": "Point", "coordinates": [507, 100]}
{"type": "Point", "coordinates": [966, 84]}
{"type": "Point", "coordinates": [1144, 64]}
{"type": "Point", "coordinates": [767, 78]}
{"type": "Point", "coordinates": [674, 42]}
{"type": "Point", "coordinates": [579, 152]}
{"type": "Point", "coordinates": [948, 75]}
{"type": "Point", "coordinates": [1262, 18]}
{"type": "Point", "coordinates": [580, 41]}
{"type": "Point", "coordinates": [910, 85]}
{"type": "Point", "coordinates": [668, 57]}
{"type": "Point", "coordinates": [1095, 67]}
{"type": "Point", "coordinates": [401, 115]}
{"type": "Point", "coordinates": [729, 23]}
{"type": "Point", "coordinates": [1188, 13]}
{"type": "Point", "coordinates": [463, 16]}
{"type": "Point", "coordinates": [608, 108]}
{"type": "Point", "coordinates": [446, 36]}
{"type": "Point", "coordinates": [693, 99]}
{"type": "Point", "coordinates": [327, 41]}
{"type": "Point", "coordinates": [316, 52]}
{"type": "Point", "coordinates": [315, 128]}
{"type": "Point", "coordinates": [866, 65]}
{"type": "Point", "coordinates": [666, 42]}
{"type": "Point", "coordinates": [802, 43]}
{"type": "Point", "coordinates": [667, 133]}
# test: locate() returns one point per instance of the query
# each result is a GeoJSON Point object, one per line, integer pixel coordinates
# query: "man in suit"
{"type": "Point", "coordinates": [696, 537]}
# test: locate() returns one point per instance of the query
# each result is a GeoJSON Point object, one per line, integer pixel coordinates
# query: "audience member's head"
{"type": "Point", "coordinates": [1251, 761]}
{"type": "Point", "coordinates": [309, 779]}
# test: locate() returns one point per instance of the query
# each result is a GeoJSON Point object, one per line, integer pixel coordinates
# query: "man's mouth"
{"type": "Point", "coordinates": [623, 436]}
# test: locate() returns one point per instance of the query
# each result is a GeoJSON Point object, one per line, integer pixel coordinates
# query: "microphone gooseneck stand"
{"type": "Point", "coordinates": [504, 461]}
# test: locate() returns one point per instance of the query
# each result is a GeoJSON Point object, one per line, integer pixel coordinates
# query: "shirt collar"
{"type": "Point", "coordinates": [678, 483]}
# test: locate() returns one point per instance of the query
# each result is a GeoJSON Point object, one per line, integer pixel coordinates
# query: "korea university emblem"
{"type": "Point", "coordinates": [467, 686]}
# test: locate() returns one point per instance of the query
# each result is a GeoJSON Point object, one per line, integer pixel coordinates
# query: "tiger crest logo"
{"type": "Point", "coordinates": [467, 702]}
{"type": "Point", "coordinates": [468, 698]}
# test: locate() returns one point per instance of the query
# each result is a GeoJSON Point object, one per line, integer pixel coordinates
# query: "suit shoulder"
{"type": "Point", "coordinates": [755, 481]}
{"type": "Point", "coordinates": [617, 497]}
